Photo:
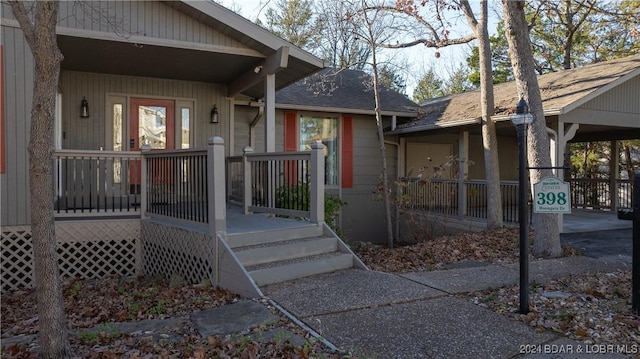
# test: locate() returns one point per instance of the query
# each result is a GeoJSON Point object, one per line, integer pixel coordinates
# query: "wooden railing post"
{"type": "Point", "coordinates": [246, 173]}
{"type": "Point", "coordinates": [317, 183]}
{"type": "Point", "coordinates": [144, 180]}
{"type": "Point", "coordinates": [216, 181]}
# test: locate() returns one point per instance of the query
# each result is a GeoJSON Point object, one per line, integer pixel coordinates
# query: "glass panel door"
{"type": "Point", "coordinates": [151, 122]}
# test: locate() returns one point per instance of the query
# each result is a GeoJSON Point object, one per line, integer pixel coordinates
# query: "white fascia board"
{"type": "Point", "coordinates": [243, 25]}
{"type": "Point", "coordinates": [435, 126]}
{"type": "Point", "coordinates": [342, 110]}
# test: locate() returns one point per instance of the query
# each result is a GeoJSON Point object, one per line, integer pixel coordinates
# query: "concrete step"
{"type": "Point", "coordinates": [282, 271]}
{"type": "Point", "coordinates": [238, 240]}
{"type": "Point", "coordinates": [281, 251]}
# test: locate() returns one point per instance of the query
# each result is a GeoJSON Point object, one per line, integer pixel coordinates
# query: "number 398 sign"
{"type": "Point", "coordinates": [551, 195]}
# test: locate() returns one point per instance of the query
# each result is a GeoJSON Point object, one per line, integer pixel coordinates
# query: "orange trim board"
{"type": "Point", "coordinates": [2, 141]}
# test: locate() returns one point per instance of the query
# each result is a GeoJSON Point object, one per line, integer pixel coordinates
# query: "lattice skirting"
{"type": "Point", "coordinates": [169, 250]}
{"type": "Point", "coordinates": [86, 249]}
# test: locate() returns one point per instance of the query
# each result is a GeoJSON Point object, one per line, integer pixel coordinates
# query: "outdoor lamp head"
{"type": "Point", "coordinates": [214, 114]}
{"type": "Point", "coordinates": [84, 108]}
{"type": "Point", "coordinates": [522, 115]}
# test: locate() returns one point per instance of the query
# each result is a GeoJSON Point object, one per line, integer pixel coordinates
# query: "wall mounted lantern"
{"type": "Point", "coordinates": [84, 108]}
{"type": "Point", "coordinates": [214, 114]}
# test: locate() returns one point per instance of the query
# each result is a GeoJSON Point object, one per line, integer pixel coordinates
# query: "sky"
{"type": "Point", "coordinates": [419, 58]}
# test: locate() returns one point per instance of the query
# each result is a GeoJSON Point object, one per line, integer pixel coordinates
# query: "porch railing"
{"type": "Point", "coordinates": [284, 183]}
{"type": "Point", "coordinates": [96, 182]}
{"type": "Point", "coordinates": [597, 194]}
{"type": "Point", "coordinates": [176, 184]}
{"type": "Point", "coordinates": [442, 196]}
{"type": "Point", "coordinates": [190, 184]}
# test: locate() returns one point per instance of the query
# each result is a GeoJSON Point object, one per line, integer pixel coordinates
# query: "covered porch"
{"type": "Point", "coordinates": [237, 222]}
{"type": "Point", "coordinates": [594, 103]}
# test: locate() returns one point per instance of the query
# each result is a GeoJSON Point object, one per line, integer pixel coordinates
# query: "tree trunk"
{"type": "Point", "coordinates": [41, 37]}
{"type": "Point", "coordinates": [383, 153]}
{"type": "Point", "coordinates": [545, 225]}
{"type": "Point", "coordinates": [489, 137]}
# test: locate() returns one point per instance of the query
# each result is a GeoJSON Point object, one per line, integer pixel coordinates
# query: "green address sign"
{"type": "Point", "coordinates": [551, 195]}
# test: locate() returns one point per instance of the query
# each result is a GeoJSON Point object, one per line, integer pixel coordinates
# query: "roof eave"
{"type": "Point", "coordinates": [284, 106]}
{"type": "Point", "coordinates": [261, 35]}
{"type": "Point", "coordinates": [435, 126]}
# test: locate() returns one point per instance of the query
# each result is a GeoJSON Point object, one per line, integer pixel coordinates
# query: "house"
{"type": "Point", "coordinates": [149, 122]}
{"type": "Point", "coordinates": [337, 107]}
{"type": "Point", "coordinates": [597, 102]}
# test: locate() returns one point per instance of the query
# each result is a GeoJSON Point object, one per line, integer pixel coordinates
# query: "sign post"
{"type": "Point", "coordinates": [551, 195]}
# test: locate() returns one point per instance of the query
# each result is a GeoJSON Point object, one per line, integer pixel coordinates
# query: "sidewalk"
{"type": "Point", "coordinates": [381, 315]}
{"type": "Point", "coordinates": [416, 315]}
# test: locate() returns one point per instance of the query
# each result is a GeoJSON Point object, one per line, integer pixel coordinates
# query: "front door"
{"type": "Point", "coordinates": [151, 123]}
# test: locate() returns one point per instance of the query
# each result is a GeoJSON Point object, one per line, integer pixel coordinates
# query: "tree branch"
{"type": "Point", "coordinates": [431, 43]}
{"type": "Point", "coordinates": [20, 12]}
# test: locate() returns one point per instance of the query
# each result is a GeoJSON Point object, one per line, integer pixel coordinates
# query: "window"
{"type": "Point", "coordinates": [325, 130]}
{"type": "Point", "coordinates": [185, 113]}
{"type": "Point", "coordinates": [335, 132]}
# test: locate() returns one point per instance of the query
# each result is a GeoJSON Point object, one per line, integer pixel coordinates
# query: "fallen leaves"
{"type": "Point", "coordinates": [93, 305]}
{"type": "Point", "coordinates": [494, 246]}
{"type": "Point", "coordinates": [594, 308]}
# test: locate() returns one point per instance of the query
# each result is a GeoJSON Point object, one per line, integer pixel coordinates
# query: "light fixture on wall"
{"type": "Point", "coordinates": [84, 108]}
{"type": "Point", "coordinates": [214, 114]}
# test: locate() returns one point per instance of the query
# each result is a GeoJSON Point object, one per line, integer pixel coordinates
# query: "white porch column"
{"type": "Point", "coordinates": [317, 183]}
{"type": "Point", "coordinates": [613, 175]}
{"type": "Point", "coordinates": [216, 183]}
{"type": "Point", "coordinates": [463, 171]}
{"type": "Point", "coordinates": [561, 144]}
{"type": "Point", "coordinates": [270, 113]}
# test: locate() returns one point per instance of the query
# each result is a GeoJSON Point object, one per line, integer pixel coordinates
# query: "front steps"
{"type": "Point", "coordinates": [274, 256]}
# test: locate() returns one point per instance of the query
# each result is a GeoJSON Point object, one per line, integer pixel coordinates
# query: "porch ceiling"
{"type": "Point", "coordinates": [126, 58]}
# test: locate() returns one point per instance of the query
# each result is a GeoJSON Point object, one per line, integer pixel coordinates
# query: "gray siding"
{"type": "Point", "coordinates": [89, 133]}
{"type": "Point", "coordinates": [623, 98]}
{"type": "Point", "coordinates": [363, 218]}
{"type": "Point", "coordinates": [139, 18]}
{"type": "Point", "coordinates": [17, 92]}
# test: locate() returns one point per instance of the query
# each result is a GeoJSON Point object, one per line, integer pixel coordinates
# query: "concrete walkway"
{"type": "Point", "coordinates": [416, 315]}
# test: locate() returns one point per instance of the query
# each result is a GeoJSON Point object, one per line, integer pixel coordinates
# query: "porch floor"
{"type": "Point", "coordinates": [237, 222]}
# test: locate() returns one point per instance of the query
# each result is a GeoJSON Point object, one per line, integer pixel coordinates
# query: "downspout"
{"type": "Point", "coordinates": [396, 229]}
{"type": "Point", "coordinates": [252, 126]}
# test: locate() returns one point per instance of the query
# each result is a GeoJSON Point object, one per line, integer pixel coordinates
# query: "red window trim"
{"type": "Point", "coordinates": [347, 151]}
{"type": "Point", "coordinates": [2, 141]}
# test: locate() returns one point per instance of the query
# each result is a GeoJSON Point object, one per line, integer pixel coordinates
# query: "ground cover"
{"type": "Point", "coordinates": [591, 308]}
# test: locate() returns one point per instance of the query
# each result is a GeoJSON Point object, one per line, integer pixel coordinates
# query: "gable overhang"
{"type": "Point", "coordinates": [145, 56]}
{"type": "Point", "coordinates": [300, 63]}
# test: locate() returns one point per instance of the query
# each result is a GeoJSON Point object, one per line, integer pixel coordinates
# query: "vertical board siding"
{"type": "Point", "coordinates": [89, 133]}
{"type": "Point", "coordinates": [623, 98]}
{"type": "Point", "coordinates": [151, 19]}
{"type": "Point", "coordinates": [18, 92]}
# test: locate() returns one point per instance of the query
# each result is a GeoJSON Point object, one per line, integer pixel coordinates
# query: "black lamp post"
{"type": "Point", "coordinates": [521, 119]}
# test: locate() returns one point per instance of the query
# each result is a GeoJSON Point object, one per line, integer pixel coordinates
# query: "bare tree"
{"type": "Point", "coordinates": [374, 30]}
{"type": "Point", "coordinates": [546, 232]}
{"type": "Point", "coordinates": [438, 36]}
{"type": "Point", "coordinates": [39, 30]}
{"type": "Point", "coordinates": [339, 45]}
{"type": "Point", "coordinates": [489, 136]}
